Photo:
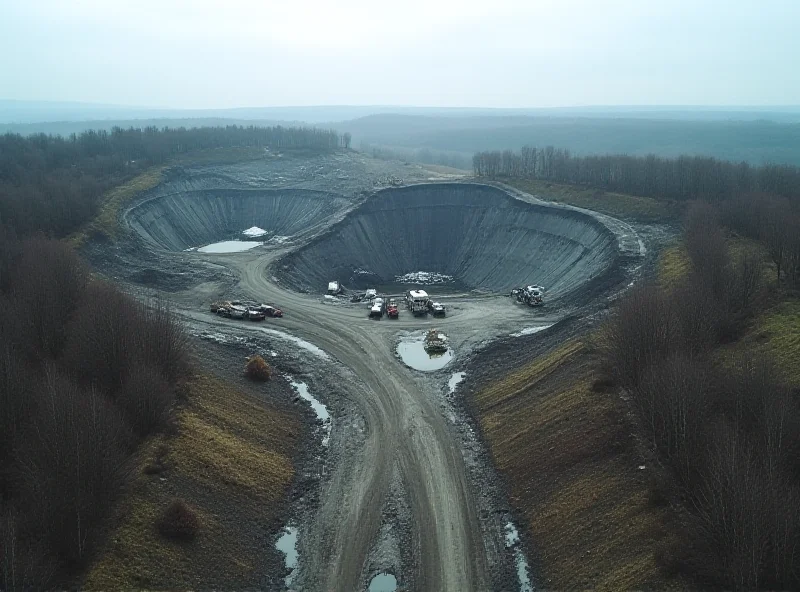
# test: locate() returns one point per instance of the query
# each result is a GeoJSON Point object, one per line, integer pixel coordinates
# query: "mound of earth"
{"type": "Point", "coordinates": [478, 234]}
{"type": "Point", "coordinates": [195, 218]}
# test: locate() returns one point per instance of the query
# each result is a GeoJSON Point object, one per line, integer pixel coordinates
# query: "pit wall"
{"type": "Point", "coordinates": [478, 234]}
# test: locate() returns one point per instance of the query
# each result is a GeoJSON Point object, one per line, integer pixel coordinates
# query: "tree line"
{"type": "Point", "coordinates": [86, 373]}
{"type": "Point", "coordinates": [682, 178]}
{"type": "Point", "coordinates": [724, 429]}
{"type": "Point", "coordinates": [52, 184]}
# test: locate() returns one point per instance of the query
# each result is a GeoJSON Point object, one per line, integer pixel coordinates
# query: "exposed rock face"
{"type": "Point", "coordinates": [479, 235]}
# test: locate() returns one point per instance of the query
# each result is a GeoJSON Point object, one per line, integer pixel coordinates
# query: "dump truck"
{"type": "Point", "coordinates": [334, 288]}
{"type": "Point", "coordinates": [417, 302]}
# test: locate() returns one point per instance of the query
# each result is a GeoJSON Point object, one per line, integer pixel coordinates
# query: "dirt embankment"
{"type": "Point", "coordinates": [564, 446]}
{"type": "Point", "coordinates": [232, 458]}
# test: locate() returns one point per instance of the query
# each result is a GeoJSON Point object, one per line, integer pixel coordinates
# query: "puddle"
{"type": "Point", "coordinates": [522, 572]}
{"type": "Point", "coordinates": [254, 231]}
{"type": "Point", "coordinates": [521, 563]}
{"type": "Point", "coordinates": [412, 352]}
{"type": "Point", "coordinates": [287, 544]}
{"type": "Point", "coordinates": [454, 380]}
{"type": "Point", "coordinates": [232, 246]}
{"type": "Point", "coordinates": [383, 582]}
{"type": "Point", "coordinates": [512, 536]}
{"type": "Point", "coordinates": [300, 342]}
{"type": "Point", "coordinates": [320, 409]}
{"type": "Point", "coordinates": [530, 330]}
{"type": "Point", "coordinates": [423, 277]}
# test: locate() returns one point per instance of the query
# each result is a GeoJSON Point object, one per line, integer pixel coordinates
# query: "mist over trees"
{"type": "Point", "coordinates": [683, 178]}
{"type": "Point", "coordinates": [448, 158]}
{"type": "Point", "coordinates": [52, 184]}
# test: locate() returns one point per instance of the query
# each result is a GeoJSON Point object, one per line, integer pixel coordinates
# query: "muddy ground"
{"type": "Point", "coordinates": [404, 485]}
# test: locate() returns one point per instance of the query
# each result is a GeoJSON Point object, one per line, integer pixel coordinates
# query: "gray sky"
{"type": "Point", "coordinates": [526, 53]}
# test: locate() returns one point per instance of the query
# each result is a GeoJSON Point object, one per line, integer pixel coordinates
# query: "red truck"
{"type": "Point", "coordinates": [392, 311]}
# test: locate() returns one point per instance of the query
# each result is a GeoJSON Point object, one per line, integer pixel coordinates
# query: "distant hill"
{"type": "Point", "coordinates": [757, 140]}
{"type": "Point", "coordinates": [754, 134]}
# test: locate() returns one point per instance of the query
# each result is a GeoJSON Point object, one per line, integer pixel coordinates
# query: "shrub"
{"type": "Point", "coordinates": [145, 399]}
{"type": "Point", "coordinates": [257, 368]}
{"type": "Point", "coordinates": [179, 521]}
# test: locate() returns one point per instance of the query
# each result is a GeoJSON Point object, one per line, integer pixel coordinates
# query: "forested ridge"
{"type": "Point", "coordinates": [53, 184]}
{"type": "Point", "coordinates": [683, 178]}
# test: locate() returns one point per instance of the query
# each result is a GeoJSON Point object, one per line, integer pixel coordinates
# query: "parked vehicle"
{"type": "Point", "coordinates": [376, 311]}
{"type": "Point", "coordinates": [392, 311]}
{"type": "Point", "coordinates": [237, 311]}
{"type": "Point", "coordinates": [437, 309]}
{"type": "Point", "coordinates": [530, 295]}
{"type": "Point", "coordinates": [271, 311]}
{"type": "Point", "coordinates": [417, 302]}
{"type": "Point", "coordinates": [334, 288]}
{"type": "Point", "coordinates": [256, 314]}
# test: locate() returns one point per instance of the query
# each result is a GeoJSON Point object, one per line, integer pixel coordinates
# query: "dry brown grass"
{"type": "Point", "coordinates": [231, 461]}
{"type": "Point", "coordinates": [641, 209]}
{"type": "Point", "coordinates": [565, 451]}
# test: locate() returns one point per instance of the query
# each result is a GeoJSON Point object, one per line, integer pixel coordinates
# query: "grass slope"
{"type": "Point", "coordinates": [231, 461]}
{"type": "Point", "coordinates": [566, 452]}
{"type": "Point", "coordinates": [629, 207]}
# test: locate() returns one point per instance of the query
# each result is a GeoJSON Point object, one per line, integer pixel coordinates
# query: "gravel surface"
{"type": "Point", "coordinates": [405, 485]}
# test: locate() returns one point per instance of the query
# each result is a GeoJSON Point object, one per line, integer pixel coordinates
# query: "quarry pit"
{"type": "Point", "coordinates": [407, 488]}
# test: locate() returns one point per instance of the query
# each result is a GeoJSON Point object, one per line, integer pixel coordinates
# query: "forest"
{"type": "Point", "coordinates": [682, 178]}
{"type": "Point", "coordinates": [723, 425]}
{"type": "Point", "coordinates": [53, 184]}
{"type": "Point", "coordinates": [86, 374]}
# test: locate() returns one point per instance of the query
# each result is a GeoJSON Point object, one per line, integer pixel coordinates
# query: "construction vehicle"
{"type": "Point", "coordinates": [437, 309]}
{"type": "Point", "coordinates": [530, 295]}
{"type": "Point", "coordinates": [435, 342]}
{"type": "Point", "coordinates": [334, 288]}
{"type": "Point", "coordinates": [417, 302]}
{"type": "Point", "coordinates": [376, 311]}
{"type": "Point", "coordinates": [392, 311]}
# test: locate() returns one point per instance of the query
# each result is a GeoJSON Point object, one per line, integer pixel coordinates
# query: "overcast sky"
{"type": "Point", "coordinates": [492, 53]}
